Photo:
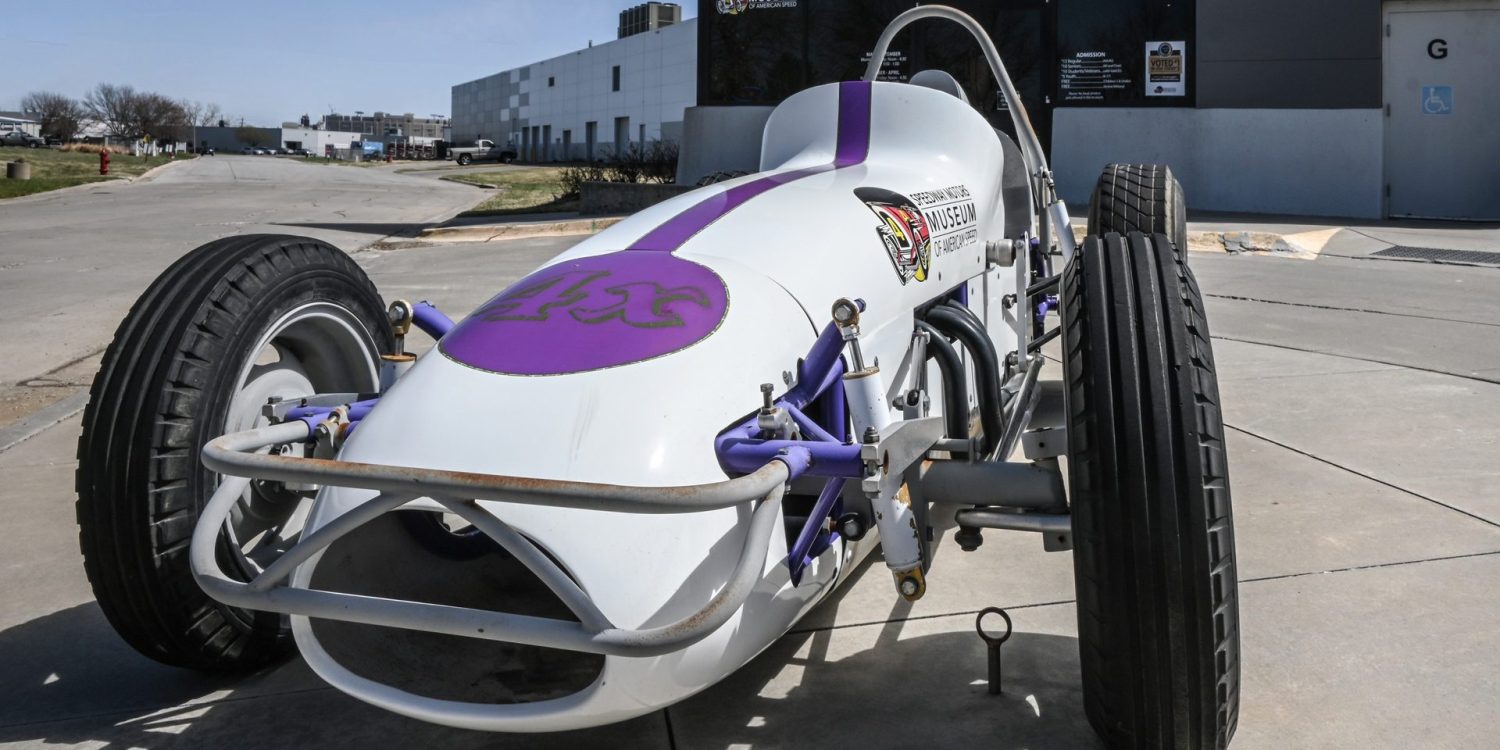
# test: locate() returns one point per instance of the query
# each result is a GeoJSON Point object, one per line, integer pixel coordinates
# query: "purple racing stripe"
{"type": "Point", "coordinates": [854, 124]}
{"type": "Point", "coordinates": [636, 304]}
{"type": "Point", "coordinates": [852, 148]}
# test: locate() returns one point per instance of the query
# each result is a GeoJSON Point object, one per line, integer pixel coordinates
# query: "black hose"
{"type": "Point", "coordinates": [955, 381]}
{"type": "Point", "coordinates": [966, 328]}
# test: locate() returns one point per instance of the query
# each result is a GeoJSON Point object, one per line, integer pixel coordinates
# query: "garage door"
{"type": "Point", "coordinates": [1442, 94]}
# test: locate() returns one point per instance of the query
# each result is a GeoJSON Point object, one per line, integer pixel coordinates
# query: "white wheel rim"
{"type": "Point", "coordinates": [319, 347]}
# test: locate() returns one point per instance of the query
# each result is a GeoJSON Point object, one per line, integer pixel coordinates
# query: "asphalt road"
{"type": "Point", "coordinates": [71, 263]}
{"type": "Point", "coordinates": [1362, 398]}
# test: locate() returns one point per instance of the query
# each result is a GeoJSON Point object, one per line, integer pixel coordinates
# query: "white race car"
{"type": "Point", "coordinates": [636, 468]}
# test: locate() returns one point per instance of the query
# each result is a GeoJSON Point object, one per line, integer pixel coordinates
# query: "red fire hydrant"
{"type": "Point", "coordinates": [103, 161]}
{"type": "Point", "coordinates": [387, 157]}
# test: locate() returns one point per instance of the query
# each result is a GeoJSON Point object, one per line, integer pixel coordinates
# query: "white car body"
{"type": "Point", "coordinates": [784, 255]}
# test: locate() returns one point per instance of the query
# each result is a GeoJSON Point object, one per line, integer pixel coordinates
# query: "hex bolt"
{"type": "Point", "coordinates": [765, 398]}
{"type": "Point", "coordinates": [852, 527]}
{"type": "Point", "coordinates": [871, 436]}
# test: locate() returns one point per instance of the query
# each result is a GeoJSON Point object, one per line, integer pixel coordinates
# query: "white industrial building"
{"type": "Point", "coordinates": [319, 142]}
{"type": "Point", "coordinates": [21, 121]}
{"type": "Point", "coordinates": [588, 104]}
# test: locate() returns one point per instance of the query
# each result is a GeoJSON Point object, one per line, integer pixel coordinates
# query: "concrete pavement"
{"type": "Point", "coordinates": [71, 264]}
{"type": "Point", "coordinates": [1362, 398]}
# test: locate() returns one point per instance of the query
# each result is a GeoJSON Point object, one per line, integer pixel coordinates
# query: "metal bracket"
{"type": "Point", "coordinates": [901, 445]}
{"type": "Point", "coordinates": [1056, 529]}
{"type": "Point", "coordinates": [276, 411]}
{"type": "Point", "coordinates": [1043, 444]}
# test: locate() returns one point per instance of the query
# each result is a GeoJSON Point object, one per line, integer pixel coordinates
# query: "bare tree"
{"type": "Point", "coordinates": [200, 115]}
{"type": "Point", "coordinates": [116, 108]}
{"type": "Point", "coordinates": [61, 116]}
{"type": "Point", "coordinates": [161, 117]}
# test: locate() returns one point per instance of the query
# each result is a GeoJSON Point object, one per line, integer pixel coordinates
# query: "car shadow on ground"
{"type": "Point", "coordinates": [880, 686]}
{"type": "Point", "coordinates": [68, 679]}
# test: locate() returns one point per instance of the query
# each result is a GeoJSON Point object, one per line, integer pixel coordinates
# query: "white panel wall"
{"type": "Point", "coordinates": [658, 81]}
{"type": "Point", "coordinates": [1310, 162]}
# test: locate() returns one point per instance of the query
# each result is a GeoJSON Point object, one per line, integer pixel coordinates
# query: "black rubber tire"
{"type": "Point", "coordinates": [464, 160]}
{"type": "Point", "coordinates": [1143, 198]}
{"type": "Point", "coordinates": [1153, 534]}
{"type": "Point", "coordinates": [427, 528]}
{"type": "Point", "coordinates": [162, 391]}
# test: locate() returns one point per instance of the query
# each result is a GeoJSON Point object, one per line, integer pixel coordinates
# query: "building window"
{"type": "Point", "coordinates": [616, 74]}
{"type": "Point", "coordinates": [551, 81]}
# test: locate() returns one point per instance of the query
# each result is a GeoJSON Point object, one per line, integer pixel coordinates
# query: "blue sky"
{"type": "Point", "coordinates": [271, 60]}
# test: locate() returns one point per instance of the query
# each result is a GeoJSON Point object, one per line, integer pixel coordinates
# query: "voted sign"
{"type": "Point", "coordinates": [1437, 100]}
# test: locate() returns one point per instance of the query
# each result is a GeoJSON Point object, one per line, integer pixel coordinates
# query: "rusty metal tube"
{"type": "Point", "coordinates": [234, 455]}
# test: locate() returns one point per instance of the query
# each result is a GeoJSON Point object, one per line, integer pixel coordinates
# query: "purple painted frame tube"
{"type": "Point", "coordinates": [798, 558]}
{"type": "Point", "coordinates": [431, 320]}
{"type": "Point", "coordinates": [817, 367]}
{"type": "Point", "coordinates": [740, 455]}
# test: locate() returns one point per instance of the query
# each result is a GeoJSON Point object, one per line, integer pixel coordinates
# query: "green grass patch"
{"type": "Point", "coordinates": [52, 169]}
{"type": "Point", "coordinates": [536, 190]}
{"type": "Point", "coordinates": [18, 188]}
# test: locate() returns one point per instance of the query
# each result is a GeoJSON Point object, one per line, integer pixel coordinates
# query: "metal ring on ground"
{"type": "Point", "coordinates": [979, 626]}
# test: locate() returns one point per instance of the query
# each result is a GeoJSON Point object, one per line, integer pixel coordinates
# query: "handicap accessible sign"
{"type": "Point", "coordinates": [1437, 100]}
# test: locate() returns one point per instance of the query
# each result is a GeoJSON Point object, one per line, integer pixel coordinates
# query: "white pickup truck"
{"type": "Point", "coordinates": [482, 151]}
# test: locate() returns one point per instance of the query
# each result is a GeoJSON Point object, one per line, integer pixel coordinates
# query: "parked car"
{"type": "Point", "coordinates": [204, 151]}
{"type": "Point", "coordinates": [482, 151]}
{"type": "Point", "coordinates": [22, 138]}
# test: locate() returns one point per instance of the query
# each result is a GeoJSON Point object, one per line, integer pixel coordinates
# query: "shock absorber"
{"type": "Point", "coordinates": [871, 414]}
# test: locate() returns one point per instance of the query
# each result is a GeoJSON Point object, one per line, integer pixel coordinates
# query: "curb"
{"type": "Point", "coordinates": [488, 232]}
{"type": "Point", "coordinates": [1302, 246]}
{"type": "Point", "coordinates": [150, 173]}
{"type": "Point", "coordinates": [43, 419]}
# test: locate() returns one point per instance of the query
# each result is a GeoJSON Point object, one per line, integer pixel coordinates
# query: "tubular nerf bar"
{"type": "Point", "coordinates": [235, 456]}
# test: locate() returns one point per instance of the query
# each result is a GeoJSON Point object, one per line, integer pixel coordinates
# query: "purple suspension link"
{"type": "Point", "coordinates": [820, 390]}
{"type": "Point", "coordinates": [432, 321]}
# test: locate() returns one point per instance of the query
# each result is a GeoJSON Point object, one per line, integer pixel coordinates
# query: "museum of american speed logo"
{"type": "Point", "coordinates": [916, 227]}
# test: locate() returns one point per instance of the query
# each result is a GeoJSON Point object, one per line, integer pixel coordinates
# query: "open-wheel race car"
{"type": "Point", "coordinates": [633, 470]}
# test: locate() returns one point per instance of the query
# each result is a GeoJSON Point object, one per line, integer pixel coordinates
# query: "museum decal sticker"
{"type": "Point", "coordinates": [736, 7]}
{"type": "Point", "coordinates": [917, 227]}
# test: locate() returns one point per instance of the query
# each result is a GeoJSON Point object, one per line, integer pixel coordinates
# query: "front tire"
{"type": "Point", "coordinates": [225, 327]}
{"type": "Point", "coordinates": [464, 159]}
{"type": "Point", "coordinates": [1154, 561]}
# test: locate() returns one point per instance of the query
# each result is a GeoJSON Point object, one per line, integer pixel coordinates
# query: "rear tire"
{"type": "Point", "coordinates": [1154, 563]}
{"type": "Point", "coordinates": [1143, 198]}
{"type": "Point", "coordinates": [169, 383]}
